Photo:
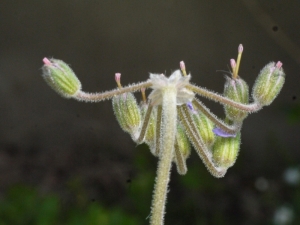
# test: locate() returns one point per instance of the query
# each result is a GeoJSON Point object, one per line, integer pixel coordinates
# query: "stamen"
{"type": "Point", "coordinates": [240, 51]}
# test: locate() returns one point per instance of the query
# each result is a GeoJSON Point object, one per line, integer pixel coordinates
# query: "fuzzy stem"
{"type": "Point", "coordinates": [198, 143]}
{"type": "Point", "coordinates": [253, 107]}
{"type": "Point", "coordinates": [167, 139]}
{"type": "Point", "coordinates": [145, 124]}
{"type": "Point", "coordinates": [97, 97]}
{"type": "Point", "coordinates": [230, 129]}
{"type": "Point", "coordinates": [158, 131]}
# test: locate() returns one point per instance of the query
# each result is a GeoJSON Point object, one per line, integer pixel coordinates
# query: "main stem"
{"type": "Point", "coordinates": [167, 140]}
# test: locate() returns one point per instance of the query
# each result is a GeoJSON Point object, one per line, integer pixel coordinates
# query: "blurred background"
{"type": "Point", "coordinates": [67, 162]}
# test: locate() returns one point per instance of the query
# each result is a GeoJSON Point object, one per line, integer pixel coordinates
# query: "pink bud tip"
{"type": "Point", "coordinates": [143, 89]}
{"type": "Point", "coordinates": [279, 64]}
{"type": "Point", "coordinates": [117, 77]}
{"type": "Point", "coordinates": [240, 48]}
{"type": "Point", "coordinates": [232, 63]}
{"type": "Point", "coordinates": [182, 65]}
{"type": "Point", "coordinates": [46, 61]}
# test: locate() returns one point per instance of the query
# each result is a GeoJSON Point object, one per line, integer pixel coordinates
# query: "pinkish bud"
{"type": "Point", "coordinates": [46, 61]}
{"type": "Point", "coordinates": [279, 65]}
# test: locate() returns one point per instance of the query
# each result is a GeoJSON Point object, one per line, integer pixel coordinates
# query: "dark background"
{"type": "Point", "coordinates": [77, 149]}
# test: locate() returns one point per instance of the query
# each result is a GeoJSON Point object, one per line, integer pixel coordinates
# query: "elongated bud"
{"type": "Point", "coordinates": [225, 150]}
{"type": "Point", "coordinates": [183, 142]}
{"type": "Point", "coordinates": [182, 150]}
{"type": "Point", "coordinates": [60, 77]}
{"type": "Point", "coordinates": [127, 113]}
{"type": "Point", "coordinates": [237, 90]}
{"type": "Point", "coordinates": [268, 83]}
{"type": "Point", "coordinates": [204, 126]}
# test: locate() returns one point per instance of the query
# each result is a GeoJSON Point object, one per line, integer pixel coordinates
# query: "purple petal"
{"type": "Point", "coordinates": [219, 132]}
{"type": "Point", "coordinates": [190, 106]}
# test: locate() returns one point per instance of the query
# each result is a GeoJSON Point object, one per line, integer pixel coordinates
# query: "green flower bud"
{"type": "Point", "coordinates": [268, 83]}
{"type": "Point", "coordinates": [183, 143]}
{"type": "Point", "coordinates": [237, 90]}
{"type": "Point", "coordinates": [127, 113]}
{"type": "Point", "coordinates": [204, 125]}
{"type": "Point", "coordinates": [60, 77]}
{"type": "Point", "coordinates": [182, 150]}
{"type": "Point", "coordinates": [151, 128]}
{"type": "Point", "coordinates": [225, 150]}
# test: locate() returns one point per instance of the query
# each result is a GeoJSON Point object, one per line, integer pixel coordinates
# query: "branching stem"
{"type": "Point", "coordinates": [97, 97]}
{"type": "Point", "coordinates": [253, 107]}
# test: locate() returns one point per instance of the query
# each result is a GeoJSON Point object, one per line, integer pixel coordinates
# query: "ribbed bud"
{"type": "Point", "coordinates": [60, 77]}
{"type": "Point", "coordinates": [183, 143]}
{"type": "Point", "coordinates": [151, 128]}
{"type": "Point", "coordinates": [237, 90]}
{"type": "Point", "coordinates": [225, 150]}
{"type": "Point", "coordinates": [127, 113]}
{"type": "Point", "coordinates": [268, 83]}
{"type": "Point", "coordinates": [205, 128]}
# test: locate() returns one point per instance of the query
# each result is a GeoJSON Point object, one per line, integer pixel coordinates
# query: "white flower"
{"type": "Point", "coordinates": [176, 81]}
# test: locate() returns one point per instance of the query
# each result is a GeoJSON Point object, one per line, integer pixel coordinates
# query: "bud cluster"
{"type": "Point", "coordinates": [216, 141]}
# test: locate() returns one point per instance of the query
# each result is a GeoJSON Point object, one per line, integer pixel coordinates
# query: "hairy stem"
{"type": "Point", "coordinates": [231, 129]}
{"type": "Point", "coordinates": [145, 124]}
{"type": "Point", "coordinates": [97, 97]}
{"type": "Point", "coordinates": [167, 140]}
{"type": "Point", "coordinates": [198, 143]}
{"type": "Point", "coordinates": [253, 107]}
{"type": "Point", "coordinates": [158, 131]}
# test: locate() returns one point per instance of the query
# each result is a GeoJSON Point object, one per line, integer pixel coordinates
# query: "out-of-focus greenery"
{"type": "Point", "coordinates": [269, 195]}
{"type": "Point", "coordinates": [24, 206]}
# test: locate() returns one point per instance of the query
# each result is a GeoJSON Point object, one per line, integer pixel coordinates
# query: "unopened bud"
{"type": "Point", "coordinates": [237, 90]}
{"type": "Point", "coordinates": [268, 83]}
{"type": "Point", "coordinates": [127, 113]}
{"type": "Point", "coordinates": [183, 143]}
{"type": "Point", "coordinates": [204, 126]}
{"type": "Point", "coordinates": [225, 150]}
{"type": "Point", "coordinates": [60, 77]}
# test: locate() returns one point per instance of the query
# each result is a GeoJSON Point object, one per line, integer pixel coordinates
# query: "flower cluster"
{"type": "Point", "coordinates": [172, 117]}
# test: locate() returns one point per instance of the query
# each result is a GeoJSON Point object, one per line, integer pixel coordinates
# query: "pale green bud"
{"type": "Point", "coordinates": [204, 126]}
{"type": "Point", "coordinates": [60, 77]}
{"type": "Point", "coordinates": [225, 150]}
{"type": "Point", "coordinates": [237, 90]}
{"type": "Point", "coordinates": [268, 83]}
{"type": "Point", "coordinates": [128, 113]}
{"type": "Point", "coordinates": [183, 143]}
